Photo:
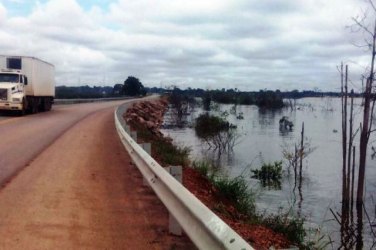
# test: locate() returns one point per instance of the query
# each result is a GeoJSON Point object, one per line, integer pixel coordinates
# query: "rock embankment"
{"type": "Point", "coordinates": [147, 114]}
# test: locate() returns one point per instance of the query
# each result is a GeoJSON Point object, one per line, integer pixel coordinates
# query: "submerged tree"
{"type": "Point", "coordinates": [367, 25]}
{"type": "Point", "coordinates": [181, 105]}
{"type": "Point", "coordinates": [216, 132]}
{"type": "Point", "coordinates": [351, 231]}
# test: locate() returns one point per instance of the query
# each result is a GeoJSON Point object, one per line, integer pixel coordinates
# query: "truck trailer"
{"type": "Point", "coordinates": [27, 84]}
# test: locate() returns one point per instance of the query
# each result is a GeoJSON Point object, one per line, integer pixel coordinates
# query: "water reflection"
{"type": "Point", "coordinates": [319, 187]}
{"type": "Point", "coordinates": [284, 131]}
{"type": "Point", "coordinates": [373, 155]}
{"type": "Point", "coordinates": [266, 118]}
{"type": "Point", "coordinates": [351, 230]}
{"type": "Point", "coordinates": [271, 184]}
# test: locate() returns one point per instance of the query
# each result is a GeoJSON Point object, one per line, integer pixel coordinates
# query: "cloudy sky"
{"type": "Point", "coordinates": [247, 44]}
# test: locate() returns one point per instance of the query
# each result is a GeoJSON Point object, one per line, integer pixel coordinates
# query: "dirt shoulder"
{"type": "Point", "coordinates": [147, 117]}
{"type": "Point", "coordinates": [83, 193]}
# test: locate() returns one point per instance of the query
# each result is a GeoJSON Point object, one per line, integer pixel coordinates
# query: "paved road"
{"type": "Point", "coordinates": [67, 184]}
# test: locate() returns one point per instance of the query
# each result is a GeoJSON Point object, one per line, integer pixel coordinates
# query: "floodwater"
{"type": "Point", "coordinates": [262, 141]}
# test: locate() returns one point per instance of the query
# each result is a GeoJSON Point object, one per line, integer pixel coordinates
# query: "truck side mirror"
{"type": "Point", "coordinates": [25, 80]}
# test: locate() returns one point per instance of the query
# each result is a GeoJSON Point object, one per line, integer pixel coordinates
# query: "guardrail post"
{"type": "Point", "coordinates": [134, 135]}
{"type": "Point", "coordinates": [147, 148]}
{"type": "Point", "coordinates": [173, 225]}
{"type": "Point", "coordinates": [127, 129]}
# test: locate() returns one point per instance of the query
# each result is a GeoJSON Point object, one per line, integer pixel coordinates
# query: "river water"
{"type": "Point", "coordinates": [262, 141]}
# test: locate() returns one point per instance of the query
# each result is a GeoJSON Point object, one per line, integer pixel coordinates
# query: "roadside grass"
{"type": "Point", "coordinates": [286, 223]}
{"type": "Point", "coordinates": [163, 149]}
{"type": "Point", "coordinates": [237, 191]}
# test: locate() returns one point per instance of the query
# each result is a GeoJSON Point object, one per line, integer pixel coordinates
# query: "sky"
{"type": "Point", "coordinates": [209, 44]}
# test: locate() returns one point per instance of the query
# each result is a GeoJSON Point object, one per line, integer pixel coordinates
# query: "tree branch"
{"type": "Point", "coordinates": [362, 26]}
{"type": "Point", "coordinates": [372, 5]}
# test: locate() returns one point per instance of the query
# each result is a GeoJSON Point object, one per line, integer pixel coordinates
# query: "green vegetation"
{"type": "Point", "coordinates": [236, 191]}
{"type": "Point", "coordinates": [170, 154]}
{"type": "Point", "coordinates": [133, 87]}
{"type": "Point", "coordinates": [217, 132]}
{"type": "Point", "coordinates": [268, 172]}
{"type": "Point", "coordinates": [203, 167]}
{"type": "Point", "coordinates": [208, 126]}
{"type": "Point", "coordinates": [287, 224]}
{"type": "Point", "coordinates": [163, 149]}
{"type": "Point", "coordinates": [270, 175]}
{"type": "Point", "coordinates": [263, 98]}
{"type": "Point", "coordinates": [181, 105]}
{"type": "Point", "coordinates": [65, 92]}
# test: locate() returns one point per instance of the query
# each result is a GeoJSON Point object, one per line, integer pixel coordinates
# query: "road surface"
{"type": "Point", "coordinates": [67, 183]}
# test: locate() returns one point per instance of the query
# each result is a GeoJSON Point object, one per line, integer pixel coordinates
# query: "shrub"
{"type": "Point", "coordinates": [163, 149]}
{"type": "Point", "coordinates": [170, 154]}
{"type": "Point", "coordinates": [202, 167]}
{"type": "Point", "coordinates": [208, 126]}
{"type": "Point", "coordinates": [216, 132]}
{"type": "Point", "coordinates": [290, 226]}
{"type": "Point", "coordinates": [269, 172]}
{"type": "Point", "coordinates": [236, 191]}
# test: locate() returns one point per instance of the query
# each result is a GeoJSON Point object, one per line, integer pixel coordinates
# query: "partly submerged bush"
{"type": "Point", "coordinates": [269, 172]}
{"type": "Point", "coordinates": [208, 126]}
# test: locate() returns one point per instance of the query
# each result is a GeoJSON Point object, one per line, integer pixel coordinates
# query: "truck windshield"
{"type": "Point", "coordinates": [9, 78]}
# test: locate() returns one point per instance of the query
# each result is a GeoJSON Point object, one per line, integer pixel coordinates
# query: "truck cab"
{"type": "Point", "coordinates": [12, 85]}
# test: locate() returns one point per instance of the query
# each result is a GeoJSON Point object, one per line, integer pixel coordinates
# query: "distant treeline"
{"type": "Point", "coordinates": [262, 98]}
{"type": "Point", "coordinates": [266, 98]}
{"type": "Point", "coordinates": [131, 87]}
{"type": "Point", "coordinates": [294, 94]}
{"type": "Point", "coordinates": [67, 92]}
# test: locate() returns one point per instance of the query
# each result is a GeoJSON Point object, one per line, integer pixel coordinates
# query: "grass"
{"type": "Point", "coordinates": [236, 191]}
{"type": "Point", "coordinates": [287, 224]}
{"type": "Point", "coordinates": [203, 167]}
{"type": "Point", "coordinates": [163, 149]}
{"type": "Point", "coordinates": [270, 175]}
{"type": "Point", "coordinates": [170, 154]}
{"type": "Point", "coordinates": [269, 172]}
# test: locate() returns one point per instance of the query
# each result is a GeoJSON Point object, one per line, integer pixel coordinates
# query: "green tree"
{"type": "Point", "coordinates": [133, 87]}
{"type": "Point", "coordinates": [118, 89]}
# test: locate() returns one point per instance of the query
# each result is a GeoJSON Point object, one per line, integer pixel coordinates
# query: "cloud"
{"type": "Point", "coordinates": [246, 43]}
{"type": "Point", "coordinates": [3, 14]}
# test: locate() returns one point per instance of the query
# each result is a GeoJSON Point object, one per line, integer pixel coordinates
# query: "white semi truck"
{"type": "Point", "coordinates": [27, 84]}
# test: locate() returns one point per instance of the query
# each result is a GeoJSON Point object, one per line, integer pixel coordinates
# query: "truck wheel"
{"type": "Point", "coordinates": [24, 107]}
{"type": "Point", "coordinates": [34, 106]}
{"type": "Point", "coordinates": [46, 104]}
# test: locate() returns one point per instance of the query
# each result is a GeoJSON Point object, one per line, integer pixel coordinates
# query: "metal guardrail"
{"type": "Point", "coordinates": [203, 227]}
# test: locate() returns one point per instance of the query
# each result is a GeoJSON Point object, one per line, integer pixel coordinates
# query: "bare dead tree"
{"type": "Point", "coordinates": [363, 23]}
